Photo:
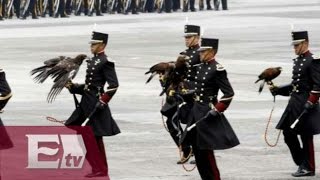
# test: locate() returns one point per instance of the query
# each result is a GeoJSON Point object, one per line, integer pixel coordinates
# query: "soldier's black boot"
{"type": "Point", "coordinates": [186, 155]}
{"type": "Point", "coordinates": [99, 13]}
{"type": "Point", "coordinates": [1, 19]}
{"type": "Point", "coordinates": [64, 15]}
{"type": "Point", "coordinates": [302, 171]}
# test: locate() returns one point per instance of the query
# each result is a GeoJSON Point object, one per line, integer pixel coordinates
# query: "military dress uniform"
{"type": "Point", "coordinates": [5, 95]}
{"type": "Point", "coordinates": [194, 61]}
{"type": "Point", "coordinates": [99, 72]}
{"type": "Point", "coordinates": [213, 132]}
{"type": "Point", "coordinates": [305, 87]}
{"type": "Point", "coordinates": [170, 108]}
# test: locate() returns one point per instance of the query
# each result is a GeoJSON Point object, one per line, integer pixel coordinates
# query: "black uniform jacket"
{"type": "Point", "coordinates": [99, 71]}
{"type": "Point", "coordinates": [215, 132]}
{"type": "Point", "coordinates": [305, 81]}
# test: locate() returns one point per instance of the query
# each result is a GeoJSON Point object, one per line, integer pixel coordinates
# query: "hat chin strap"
{"type": "Point", "coordinates": [300, 50]}
{"type": "Point", "coordinates": [190, 45]}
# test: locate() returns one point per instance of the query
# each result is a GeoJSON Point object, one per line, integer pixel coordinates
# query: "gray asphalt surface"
{"type": "Point", "coordinates": [253, 35]}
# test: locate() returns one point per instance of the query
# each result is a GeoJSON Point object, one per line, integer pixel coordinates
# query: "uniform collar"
{"type": "Point", "coordinates": [210, 61]}
{"type": "Point", "coordinates": [194, 47]}
{"type": "Point", "coordinates": [101, 53]}
{"type": "Point", "coordinates": [307, 53]}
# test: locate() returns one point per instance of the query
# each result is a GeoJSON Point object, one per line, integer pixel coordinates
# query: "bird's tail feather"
{"type": "Point", "coordinates": [261, 86]}
{"type": "Point", "coordinates": [152, 75]}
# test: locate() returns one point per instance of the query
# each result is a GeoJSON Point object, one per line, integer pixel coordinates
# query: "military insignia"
{"type": "Point", "coordinates": [316, 57]}
{"type": "Point", "coordinates": [110, 60]}
{"type": "Point", "coordinates": [97, 62]}
{"type": "Point", "coordinates": [220, 67]}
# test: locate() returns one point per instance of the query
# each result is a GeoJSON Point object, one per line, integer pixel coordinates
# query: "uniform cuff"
{"type": "Point", "coordinates": [220, 107]}
{"type": "Point", "coordinates": [105, 98]}
{"type": "Point", "coordinates": [313, 98]}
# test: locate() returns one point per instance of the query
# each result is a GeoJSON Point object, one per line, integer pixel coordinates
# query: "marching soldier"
{"type": "Point", "coordinates": [304, 92]}
{"type": "Point", "coordinates": [94, 101]}
{"type": "Point", "coordinates": [192, 38]}
{"type": "Point", "coordinates": [212, 130]}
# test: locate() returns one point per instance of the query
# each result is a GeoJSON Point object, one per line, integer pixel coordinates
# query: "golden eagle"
{"type": "Point", "coordinates": [61, 69]}
{"type": "Point", "coordinates": [267, 76]}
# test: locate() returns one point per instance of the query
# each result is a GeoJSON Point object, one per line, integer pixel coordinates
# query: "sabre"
{"type": "Point", "coordinates": [195, 124]}
{"type": "Point", "coordinates": [187, 129]}
{"type": "Point", "coordinates": [92, 112]}
{"type": "Point", "coordinates": [298, 119]}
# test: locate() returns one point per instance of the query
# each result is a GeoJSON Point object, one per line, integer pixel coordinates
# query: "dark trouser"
{"type": "Point", "coordinates": [175, 5]}
{"type": "Point", "coordinates": [61, 9]}
{"type": "Point", "coordinates": [50, 7]}
{"type": "Point", "coordinates": [16, 5]}
{"type": "Point", "coordinates": [168, 5]}
{"type": "Point", "coordinates": [205, 159]}
{"type": "Point", "coordinates": [206, 164]}
{"type": "Point", "coordinates": [96, 155]}
{"type": "Point", "coordinates": [3, 4]}
{"type": "Point", "coordinates": [187, 3]}
{"type": "Point", "coordinates": [68, 7]}
{"type": "Point", "coordinates": [97, 6]}
{"type": "Point", "coordinates": [31, 8]}
{"type": "Point", "coordinates": [104, 6]}
{"type": "Point", "coordinates": [302, 156]}
{"type": "Point", "coordinates": [173, 132]}
{"type": "Point", "coordinates": [224, 4]}
{"type": "Point", "coordinates": [132, 7]}
{"type": "Point", "coordinates": [149, 5]}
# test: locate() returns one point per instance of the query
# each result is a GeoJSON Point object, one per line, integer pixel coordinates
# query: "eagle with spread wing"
{"type": "Point", "coordinates": [171, 72]}
{"type": "Point", "coordinates": [267, 76]}
{"type": "Point", "coordinates": [61, 69]}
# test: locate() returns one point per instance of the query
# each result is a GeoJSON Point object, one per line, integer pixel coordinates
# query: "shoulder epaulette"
{"type": "Point", "coordinates": [220, 67]}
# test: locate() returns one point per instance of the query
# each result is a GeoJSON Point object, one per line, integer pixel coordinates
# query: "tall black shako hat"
{"type": "Point", "coordinates": [299, 36]}
{"type": "Point", "coordinates": [209, 43]}
{"type": "Point", "coordinates": [191, 30]}
{"type": "Point", "coordinates": [98, 37]}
